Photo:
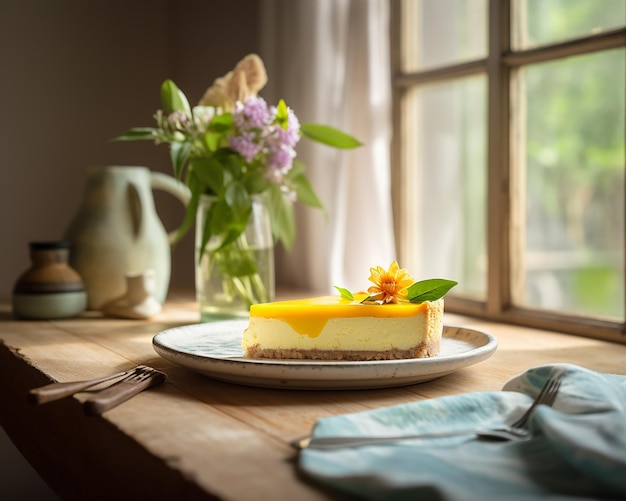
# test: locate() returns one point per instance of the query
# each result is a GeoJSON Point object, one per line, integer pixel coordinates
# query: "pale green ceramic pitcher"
{"type": "Point", "coordinates": [117, 231]}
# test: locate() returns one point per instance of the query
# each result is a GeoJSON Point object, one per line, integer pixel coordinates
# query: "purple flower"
{"type": "Point", "coordinates": [288, 137]}
{"type": "Point", "coordinates": [281, 159]}
{"type": "Point", "coordinates": [253, 113]}
{"type": "Point", "coordinates": [259, 138]}
{"type": "Point", "coordinates": [291, 135]}
{"type": "Point", "coordinates": [245, 145]}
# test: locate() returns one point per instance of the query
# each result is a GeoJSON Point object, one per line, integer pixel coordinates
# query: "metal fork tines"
{"type": "Point", "coordinates": [547, 396]}
{"type": "Point", "coordinates": [519, 429]}
{"type": "Point", "coordinates": [142, 378]}
{"type": "Point", "coordinates": [139, 373]}
{"type": "Point", "coordinates": [516, 431]}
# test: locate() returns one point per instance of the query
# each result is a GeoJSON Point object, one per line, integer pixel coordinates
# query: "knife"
{"type": "Point", "coordinates": [325, 443]}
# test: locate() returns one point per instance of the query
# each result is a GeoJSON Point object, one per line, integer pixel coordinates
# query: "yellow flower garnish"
{"type": "Point", "coordinates": [394, 285]}
{"type": "Point", "coordinates": [390, 286]}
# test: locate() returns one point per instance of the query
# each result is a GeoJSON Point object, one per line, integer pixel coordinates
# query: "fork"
{"type": "Point", "coordinates": [56, 391]}
{"type": "Point", "coordinates": [547, 396]}
{"type": "Point", "coordinates": [515, 431]}
{"type": "Point", "coordinates": [140, 379]}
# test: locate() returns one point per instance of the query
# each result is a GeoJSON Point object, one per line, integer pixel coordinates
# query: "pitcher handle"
{"type": "Point", "coordinates": [171, 185]}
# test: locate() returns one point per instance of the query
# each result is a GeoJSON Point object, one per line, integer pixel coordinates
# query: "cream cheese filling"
{"type": "Point", "coordinates": [362, 333]}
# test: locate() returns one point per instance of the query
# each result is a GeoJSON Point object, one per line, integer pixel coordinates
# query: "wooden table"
{"type": "Point", "coordinates": [197, 438]}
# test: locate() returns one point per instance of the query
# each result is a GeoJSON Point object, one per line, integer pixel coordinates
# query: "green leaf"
{"type": "Point", "coordinates": [207, 230]}
{"type": "Point", "coordinates": [370, 298]}
{"type": "Point", "coordinates": [237, 198]}
{"type": "Point", "coordinates": [221, 123]}
{"type": "Point", "coordinates": [329, 136]}
{"type": "Point", "coordinates": [228, 216]}
{"type": "Point", "coordinates": [237, 263]}
{"type": "Point", "coordinates": [173, 99]}
{"type": "Point", "coordinates": [282, 217]}
{"type": "Point", "coordinates": [196, 189]}
{"type": "Point", "coordinates": [210, 172]}
{"type": "Point", "coordinates": [345, 293]}
{"type": "Point", "coordinates": [305, 192]}
{"type": "Point", "coordinates": [138, 134]}
{"type": "Point", "coordinates": [212, 140]}
{"type": "Point", "coordinates": [233, 163]}
{"type": "Point", "coordinates": [297, 168]}
{"type": "Point", "coordinates": [429, 290]}
{"type": "Point", "coordinates": [218, 219]}
{"type": "Point", "coordinates": [255, 182]}
{"type": "Point", "coordinates": [231, 236]}
{"type": "Point", "coordinates": [236, 227]}
{"type": "Point", "coordinates": [221, 223]}
{"type": "Point", "coordinates": [179, 153]}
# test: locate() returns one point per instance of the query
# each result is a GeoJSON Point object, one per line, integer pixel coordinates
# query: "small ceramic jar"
{"type": "Point", "coordinates": [50, 288]}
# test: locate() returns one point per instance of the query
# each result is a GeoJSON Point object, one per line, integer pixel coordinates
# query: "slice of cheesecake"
{"type": "Point", "coordinates": [336, 328]}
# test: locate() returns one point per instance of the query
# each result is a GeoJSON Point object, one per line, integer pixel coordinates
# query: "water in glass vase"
{"type": "Point", "coordinates": [222, 295]}
{"type": "Point", "coordinates": [231, 278]}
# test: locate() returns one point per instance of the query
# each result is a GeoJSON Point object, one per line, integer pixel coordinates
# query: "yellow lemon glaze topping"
{"type": "Point", "coordinates": [309, 316]}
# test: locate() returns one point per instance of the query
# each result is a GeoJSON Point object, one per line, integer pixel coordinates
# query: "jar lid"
{"type": "Point", "coordinates": [61, 244]}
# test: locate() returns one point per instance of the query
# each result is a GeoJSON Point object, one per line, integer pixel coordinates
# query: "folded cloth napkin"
{"type": "Point", "coordinates": [577, 449]}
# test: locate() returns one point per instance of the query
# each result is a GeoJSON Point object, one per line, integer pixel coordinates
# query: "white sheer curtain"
{"type": "Point", "coordinates": [329, 59]}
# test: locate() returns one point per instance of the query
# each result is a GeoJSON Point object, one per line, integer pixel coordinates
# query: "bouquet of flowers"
{"type": "Point", "coordinates": [233, 146]}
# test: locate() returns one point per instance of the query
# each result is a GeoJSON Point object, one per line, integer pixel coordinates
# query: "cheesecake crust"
{"type": "Point", "coordinates": [425, 349]}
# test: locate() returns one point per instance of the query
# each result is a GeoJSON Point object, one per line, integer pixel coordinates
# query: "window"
{"type": "Point", "coordinates": [509, 155]}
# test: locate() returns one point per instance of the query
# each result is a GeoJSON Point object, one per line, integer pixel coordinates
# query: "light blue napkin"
{"type": "Point", "coordinates": [578, 447]}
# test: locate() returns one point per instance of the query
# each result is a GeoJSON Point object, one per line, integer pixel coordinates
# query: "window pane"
{"type": "Point", "coordinates": [445, 170]}
{"type": "Point", "coordinates": [575, 160]}
{"type": "Point", "coordinates": [440, 32]}
{"type": "Point", "coordinates": [539, 22]}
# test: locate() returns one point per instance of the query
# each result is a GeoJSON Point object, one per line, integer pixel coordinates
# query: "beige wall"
{"type": "Point", "coordinates": [74, 73]}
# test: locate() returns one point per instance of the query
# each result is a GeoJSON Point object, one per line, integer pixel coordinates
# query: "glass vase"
{"type": "Point", "coordinates": [231, 278]}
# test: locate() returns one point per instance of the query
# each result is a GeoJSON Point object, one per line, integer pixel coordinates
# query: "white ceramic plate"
{"type": "Point", "coordinates": [214, 349]}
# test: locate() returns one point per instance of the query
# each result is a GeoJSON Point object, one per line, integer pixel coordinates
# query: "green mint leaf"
{"type": "Point", "coordinates": [345, 293]}
{"type": "Point", "coordinates": [429, 290]}
{"type": "Point", "coordinates": [329, 136]}
{"type": "Point", "coordinates": [370, 298]}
